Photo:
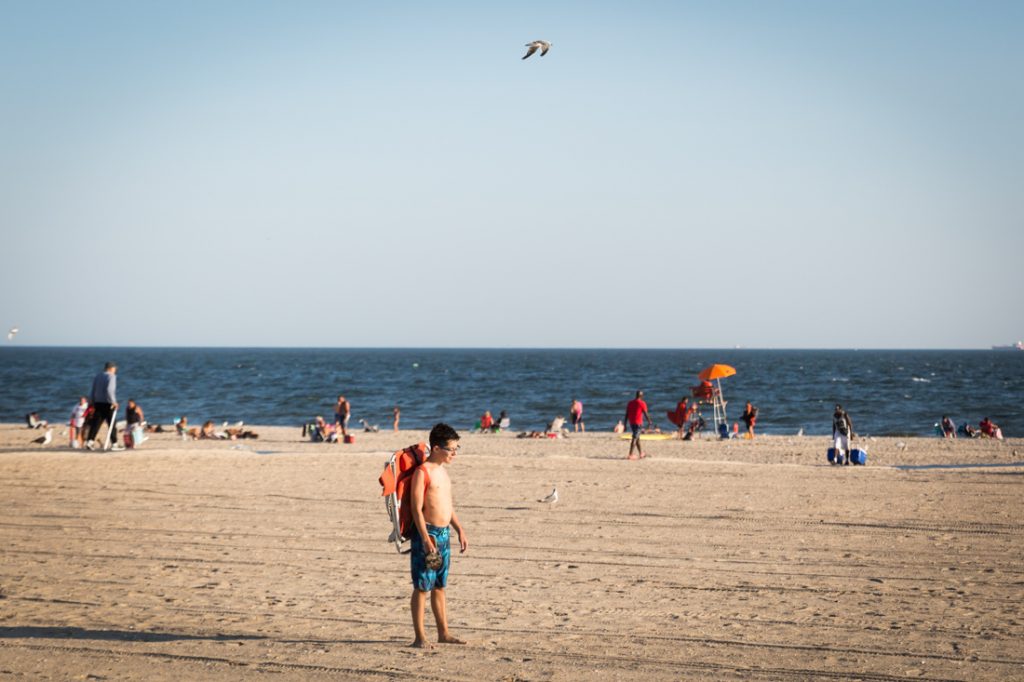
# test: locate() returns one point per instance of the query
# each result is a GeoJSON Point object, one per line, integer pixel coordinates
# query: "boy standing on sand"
{"type": "Point", "coordinates": [432, 512]}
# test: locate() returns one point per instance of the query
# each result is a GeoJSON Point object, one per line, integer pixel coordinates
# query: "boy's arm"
{"type": "Point", "coordinates": [463, 540]}
{"type": "Point", "coordinates": [417, 499]}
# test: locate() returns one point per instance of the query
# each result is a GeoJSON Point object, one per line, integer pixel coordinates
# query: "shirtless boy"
{"type": "Point", "coordinates": [433, 512]}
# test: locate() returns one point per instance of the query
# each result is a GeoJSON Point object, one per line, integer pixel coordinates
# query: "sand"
{"type": "Point", "coordinates": [744, 560]}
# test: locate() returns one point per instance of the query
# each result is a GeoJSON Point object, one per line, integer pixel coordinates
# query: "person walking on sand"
{"type": "Point", "coordinates": [433, 512]}
{"type": "Point", "coordinates": [342, 412]}
{"type": "Point", "coordinates": [104, 403]}
{"type": "Point", "coordinates": [576, 414]}
{"type": "Point", "coordinates": [749, 418]}
{"type": "Point", "coordinates": [398, 415]}
{"type": "Point", "coordinates": [636, 412]}
{"type": "Point", "coordinates": [842, 434]}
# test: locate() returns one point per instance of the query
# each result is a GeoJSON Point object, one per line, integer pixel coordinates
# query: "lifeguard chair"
{"type": "Point", "coordinates": [707, 393]}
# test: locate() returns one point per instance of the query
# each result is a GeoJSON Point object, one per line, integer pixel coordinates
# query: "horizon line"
{"type": "Point", "coordinates": [504, 348]}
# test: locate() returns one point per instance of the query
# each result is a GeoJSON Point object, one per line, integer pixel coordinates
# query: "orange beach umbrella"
{"type": "Point", "coordinates": [716, 372]}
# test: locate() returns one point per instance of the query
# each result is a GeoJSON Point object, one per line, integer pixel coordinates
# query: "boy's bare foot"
{"type": "Point", "coordinates": [449, 639]}
{"type": "Point", "coordinates": [421, 644]}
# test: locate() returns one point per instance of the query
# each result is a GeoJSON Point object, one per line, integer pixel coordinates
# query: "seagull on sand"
{"type": "Point", "coordinates": [45, 438]}
{"type": "Point", "coordinates": [541, 45]}
{"type": "Point", "coordinates": [552, 498]}
{"type": "Point", "coordinates": [12, 333]}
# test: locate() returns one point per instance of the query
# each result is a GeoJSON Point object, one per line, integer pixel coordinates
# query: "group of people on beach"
{"type": "Point", "coordinates": [986, 429]}
{"type": "Point", "coordinates": [100, 407]}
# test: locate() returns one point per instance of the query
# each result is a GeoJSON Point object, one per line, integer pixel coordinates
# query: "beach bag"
{"type": "Point", "coordinates": [396, 489]}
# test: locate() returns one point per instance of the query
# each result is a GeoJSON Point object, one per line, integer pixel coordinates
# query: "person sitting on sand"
{"type": "Point", "coordinates": [619, 427]}
{"type": "Point", "coordinates": [989, 429]}
{"type": "Point", "coordinates": [206, 433]}
{"type": "Point", "coordinates": [948, 427]}
{"type": "Point", "coordinates": [486, 421]}
{"type": "Point", "coordinates": [33, 421]}
{"type": "Point", "coordinates": [181, 427]}
{"type": "Point", "coordinates": [324, 432]}
{"type": "Point", "coordinates": [556, 427]}
{"type": "Point", "coordinates": [968, 431]}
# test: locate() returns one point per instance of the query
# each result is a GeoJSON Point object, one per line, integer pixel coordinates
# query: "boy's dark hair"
{"type": "Point", "coordinates": [441, 434]}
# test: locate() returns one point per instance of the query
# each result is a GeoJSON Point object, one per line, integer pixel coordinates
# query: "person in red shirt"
{"type": "Point", "coordinates": [636, 412]}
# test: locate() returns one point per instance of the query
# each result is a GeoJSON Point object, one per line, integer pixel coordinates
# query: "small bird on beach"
{"type": "Point", "coordinates": [552, 498]}
{"type": "Point", "coordinates": [541, 45]}
{"type": "Point", "coordinates": [800, 433]}
{"type": "Point", "coordinates": [12, 333]}
{"type": "Point", "coordinates": [45, 438]}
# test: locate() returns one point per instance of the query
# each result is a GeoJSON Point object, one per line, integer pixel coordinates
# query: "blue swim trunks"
{"type": "Point", "coordinates": [424, 579]}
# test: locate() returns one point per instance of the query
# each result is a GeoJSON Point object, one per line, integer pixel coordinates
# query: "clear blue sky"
{"type": "Point", "coordinates": [769, 174]}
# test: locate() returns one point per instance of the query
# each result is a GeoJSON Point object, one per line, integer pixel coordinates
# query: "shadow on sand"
{"type": "Point", "coordinates": [41, 632]}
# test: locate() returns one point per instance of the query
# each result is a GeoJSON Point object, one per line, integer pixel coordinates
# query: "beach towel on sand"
{"type": "Point", "coordinates": [397, 492]}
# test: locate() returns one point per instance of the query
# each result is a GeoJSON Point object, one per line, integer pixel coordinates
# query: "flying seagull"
{"type": "Point", "coordinates": [11, 334]}
{"type": "Point", "coordinates": [45, 438]}
{"type": "Point", "coordinates": [552, 498]}
{"type": "Point", "coordinates": [541, 45]}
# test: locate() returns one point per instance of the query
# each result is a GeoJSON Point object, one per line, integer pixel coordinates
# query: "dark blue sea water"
{"type": "Point", "coordinates": [886, 392]}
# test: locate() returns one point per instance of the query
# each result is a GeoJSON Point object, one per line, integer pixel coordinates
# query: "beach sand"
{"type": "Point", "coordinates": [268, 559]}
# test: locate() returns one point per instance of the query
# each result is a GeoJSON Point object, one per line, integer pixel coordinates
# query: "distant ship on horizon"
{"type": "Point", "coordinates": [1017, 346]}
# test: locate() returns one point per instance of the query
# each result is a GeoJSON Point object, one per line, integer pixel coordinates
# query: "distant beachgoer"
{"type": "Point", "coordinates": [133, 414]}
{"type": "Point", "coordinates": [398, 415]}
{"type": "Point", "coordinates": [968, 431]}
{"type": "Point", "coordinates": [433, 513]}
{"type": "Point", "coordinates": [77, 422]}
{"type": "Point", "coordinates": [135, 418]}
{"type": "Point", "coordinates": [342, 413]}
{"type": "Point", "coordinates": [842, 434]}
{"type": "Point", "coordinates": [208, 432]}
{"type": "Point", "coordinates": [576, 414]}
{"type": "Point", "coordinates": [486, 421]}
{"type": "Point", "coordinates": [181, 427]}
{"type": "Point", "coordinates": [989, 429]}
{"type": "Point", "coordinates": [749, 418]}
{"type": "Point", "coordinates": [948, 427]}
{"type": "Point", "coordinates": [326, 433]}
{"type": "Point", "coordinates": [636, 412]}
{"type": "Point", "coordinates": [619, 427]}
{"type": "Point", "coordinates": [104, 404]}
{"type": "Point", "coordinates": [33, 421]}
{"type": "Point", "coordinates": [705, 390]}
{"type": "Point", "coordinates": [504, 421]}
{"type": "Point", "coordinates": [679, 415]}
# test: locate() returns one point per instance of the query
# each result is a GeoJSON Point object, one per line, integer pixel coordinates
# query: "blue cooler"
{"type": "Point", "coordinates": [858, 456]}
{"type": "Point", "coordinates": [831, 455]}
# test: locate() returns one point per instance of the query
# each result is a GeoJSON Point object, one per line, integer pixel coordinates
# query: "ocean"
{"type": "Point", "coordinates": [886, 392]}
